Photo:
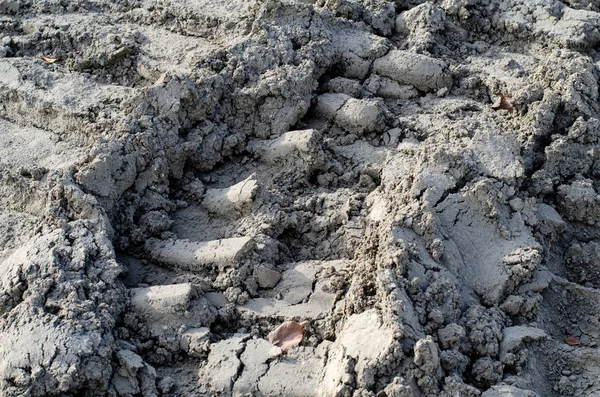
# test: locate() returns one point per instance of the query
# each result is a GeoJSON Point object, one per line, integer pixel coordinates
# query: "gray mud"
{"type": "Point", "coordinates": [189, 174]}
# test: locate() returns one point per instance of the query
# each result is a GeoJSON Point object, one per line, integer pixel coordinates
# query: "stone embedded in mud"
{"type": "Point", "coordinates": [200, 256]}
{"type": "Point", "coordinates": [425, 73]}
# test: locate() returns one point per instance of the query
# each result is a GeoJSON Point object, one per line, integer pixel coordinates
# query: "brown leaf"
{"type": "Point", "coordinates": [288, 334]}
{"type": "Point", "coordinates": [49, 60]}
{"type": "Point", "coordinates": [504, 102]}
{"type": "Point", "coordinates": [572, 341]}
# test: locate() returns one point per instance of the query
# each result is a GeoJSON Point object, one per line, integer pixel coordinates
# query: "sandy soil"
{"type": "Point", "coordinates": [418, 181]}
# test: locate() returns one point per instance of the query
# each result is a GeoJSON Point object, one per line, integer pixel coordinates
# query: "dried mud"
{"type": "Point", "coordinates": [417, 181]}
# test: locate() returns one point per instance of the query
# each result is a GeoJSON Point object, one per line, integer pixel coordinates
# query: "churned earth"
{"type": "Point", "coordinates": [418, 181]}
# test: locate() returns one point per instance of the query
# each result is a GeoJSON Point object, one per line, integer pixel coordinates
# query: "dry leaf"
{"type": "Point", "coordinates": [504, 102]}
{"type": "Point", "coordinates": [49, 60]}
{"type": "Point", "coordinates": [160, 81]}
{"type": "Point", "coordinates": [572, 341]}
{"type": "Point", "coordinates": [288, 334]}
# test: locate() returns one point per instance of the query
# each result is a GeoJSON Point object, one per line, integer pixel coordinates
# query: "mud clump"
{"type": "Point", "coordinates": [415, 184]}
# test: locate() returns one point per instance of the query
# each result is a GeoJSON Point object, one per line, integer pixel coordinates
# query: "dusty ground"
{"type": "Point", "coordinates": [188, 174]}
